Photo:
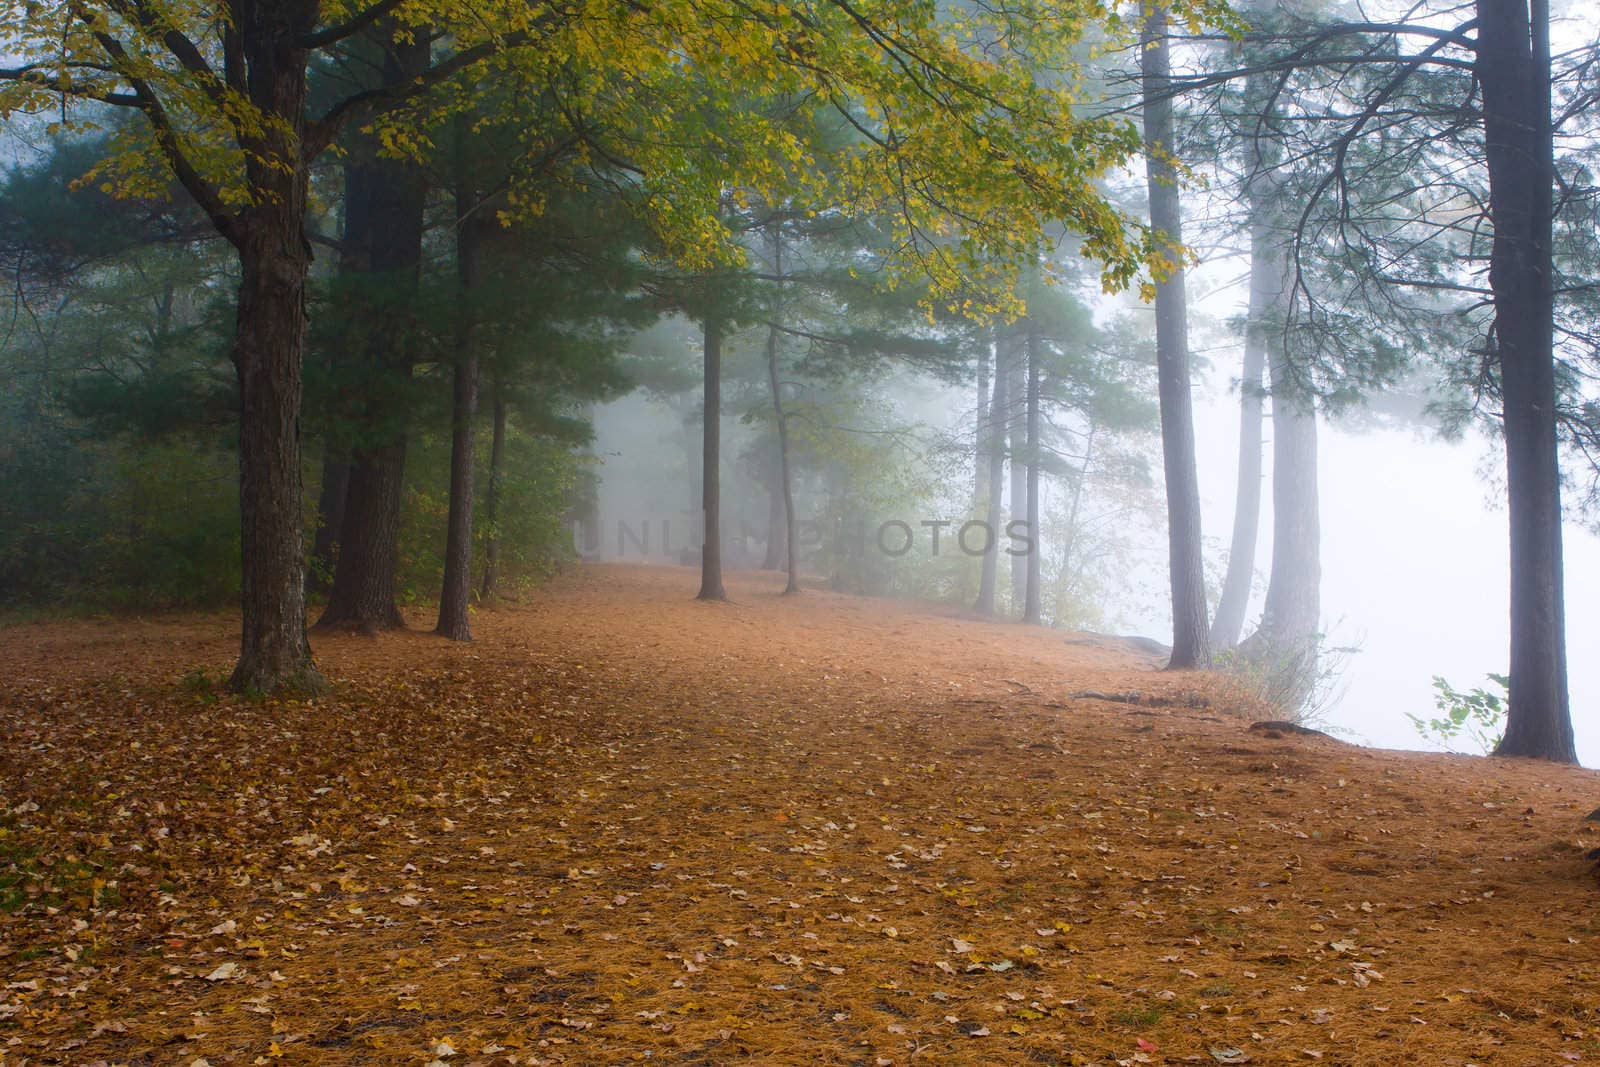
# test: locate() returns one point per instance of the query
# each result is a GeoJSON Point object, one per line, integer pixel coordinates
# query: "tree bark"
{"type": "Point", "coordinates": [773, 558]}
{"type": "Point", "coordinates": [790, 534]}
{"type": "Point", "coordinates": [1030, 602]}
{"type": "Point", "coordinates": [385, 199]}
{"type": "Point", "coordinates": [268, 357]}
{"type": "Point", "coordinates": [791, 559]}
{"type": "Point", "coordinates": [330, 512]}
{"type": "Point", "coordinates": [1070, 539]}
{"type": "Point", "coordinates": [1268, 284]}
{"type": "Point", "coordinates": [1513, 67]}
{"type": "Point", "coordinates": [1236, 585]}
{"type": "Point", "coordinates": [1016, 419]}
{"type": "Point", "coordinates": [491, 500]}
{"type": "Point", "coordinates": [710, 479]}
{"type": "Point", "coordinates": [456, 590]}
{"type": "Point", "coordinates": [1286, 642]}
{"type": "Point", "coordinates": [980, 435]}
{"type": "Point", "coordinates": [1190, 632]}
{"type": "Point", "coordinates": [268, 349]}
{"type": "Point", "coordinates": [995, 445]}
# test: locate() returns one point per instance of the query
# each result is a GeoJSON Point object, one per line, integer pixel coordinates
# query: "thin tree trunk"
{"type": "Point", "coordinates": [1016, 432]}
{"type": "Point", "coordinates": [790, 534]}
{"type": "Point", "coordinates": [330, 512]}
{"type": "Point", "coordinates": [776, 522]}
{"type": "Point", "coordinates": [1030, 602]}
{"type": "Point", "coordinates": [710, 478]}
{"type": "Point", "coordinates": [1269, 288]}
{"type": "Point", "coordinates": [995, 444]}
{"type": "Point", "coordinates": [1285, 645]}
{"type": "Point", "coordinates": [1236, 585]}
{"type": "Point", "coordinates": [385, 199]}
{"type": "Point", "coordinates": [1070, 538]}
{"type": "Point", "coordinates": [791, 559]}
{"type": "Point", "coordinates": [694, 458]}
{"type": "Point", "coordinates": [456, 591]}
{"type": "Point", "coordinates": [1190, 632]}
{"type": "Point", "coordinates": [980, 434]}
{"type": "Point", "coordinates": [1513, 66]}
{"type": "Point", "coordinates": [491, 500]}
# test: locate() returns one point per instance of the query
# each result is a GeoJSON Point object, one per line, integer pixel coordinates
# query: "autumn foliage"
{"type": "Point", "coordinates": [624, 824]}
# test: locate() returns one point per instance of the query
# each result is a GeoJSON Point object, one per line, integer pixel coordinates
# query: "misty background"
{"type": "Point", "coordinates": [1414, 539]}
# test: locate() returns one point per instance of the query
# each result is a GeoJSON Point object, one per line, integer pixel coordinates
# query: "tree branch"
{"type": "Point", "coordinates": [204, 193]}
{"type": "Point", "coordinates": [321, 133]}
{"type": "Point", "coordinates": [334, 34]}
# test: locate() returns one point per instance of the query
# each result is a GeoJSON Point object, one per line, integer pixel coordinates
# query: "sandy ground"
{"type": "Point", "coordinates": [625, 826]}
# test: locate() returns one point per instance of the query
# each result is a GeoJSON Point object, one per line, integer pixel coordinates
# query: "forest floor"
{"type": "Point", "coordinates": [625, 826]}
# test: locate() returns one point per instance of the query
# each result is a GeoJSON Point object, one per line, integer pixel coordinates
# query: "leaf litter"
{"type": "Point", "coordinates": [624, 826]}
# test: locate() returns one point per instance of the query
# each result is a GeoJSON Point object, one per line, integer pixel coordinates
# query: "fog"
{"type": "Point", "coordinates": [1414, 539]}
{"type": "Point", "coordinates": [1414, 571]}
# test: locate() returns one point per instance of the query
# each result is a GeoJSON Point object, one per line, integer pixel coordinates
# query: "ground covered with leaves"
{"type": "Point", "coordinates": [626, 826]}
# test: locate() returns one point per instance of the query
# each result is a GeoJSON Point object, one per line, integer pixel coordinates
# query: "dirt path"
{"type": "Point", "coordinates": [624, 826]}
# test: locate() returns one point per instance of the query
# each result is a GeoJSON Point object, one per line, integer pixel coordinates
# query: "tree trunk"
{"type": "Point", "coordinates": [1069, 540]}
{"type": "Point", "coordinates": [268, 349]}
{"type": "Point", "coordinates": [777, 523]}
{"type": "Point", "coordinates": [995, 445]}
{"type": "Point", "coordinates": [790, 533]}
{"type": "Point", "coordinates": [1030, 602]}
{"type": "Point", "coordinates": [1016, 432]}
{"type": "Point", "coordinates": [456, 591]}
{"type": "Point", "coordinates": [1270, 291]}
{"type": "Point", "coordinates": [785, 478]}
{"type": "Point", "coordinates": [1513, 66]}
{"type": "Point", "coordinates": [384, 206]}
{"type": "Point", "coordinates": [1285, 645]}
{"type": "Point", "coordinates": [710, 478]}
{"type": "Point", "coordinates": [491, 500]}
{"type": "Point", "coordinates": [1236, 585]}
{"type": "Point", "coordinates": [694, 458]}
{"type": "Point", "coordinates": [980, 434]}
{"type": "Point", "coordinates": [268, 357]}
{"type": "Point", "coordinates": [330, 512]}
{"type": "Point", "coordinates": [1190, 633]}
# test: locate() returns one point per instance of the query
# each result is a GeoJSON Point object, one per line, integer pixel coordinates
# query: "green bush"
{"type": "Point", "coordinates": [1476, 715]}
{"type": "Point", "coordinates": [106, 525]}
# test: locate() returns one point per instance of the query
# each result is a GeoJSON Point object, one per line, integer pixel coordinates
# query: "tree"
{"type": "Point", "coordinates": [994, 446]}
{"type": "Point", "coordinates": [712, 327]}
{"type": "Point", "coordinates": [223, 91]}
{"type": "Point", "coordinates": [1228, 623]}
{"type": "Point", "coordinates": [1513, 67]}
{"type": "Point", "coordinates": [456, 586]}
{"type": "Point", "coordinates": [790, 533]}
{"type": "Point", "coordinates": [1439, 159]}
{"type": "Point", "coordinates": [1285, 643]}
{"type": "Point", "coordinates": [1190, 630]}
{"type": "Point", "coordinates": [223, 88]}
{"type": "Point", "coordinates": [1268, 287]}
{"type": "Point", "coordinates": [380, 269]}
{"type": "Point", "coordinates": [489, 586]}
{"type": "Point", "coordinates": [1016, 416]}
{"type": "Point", "coordinates": [1031, 595]}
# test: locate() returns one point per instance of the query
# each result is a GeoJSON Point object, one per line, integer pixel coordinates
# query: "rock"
{"type": "Point", "coordinates": [1132, 642]}
{"type": "Point", "coordinates": [1280, 727]}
